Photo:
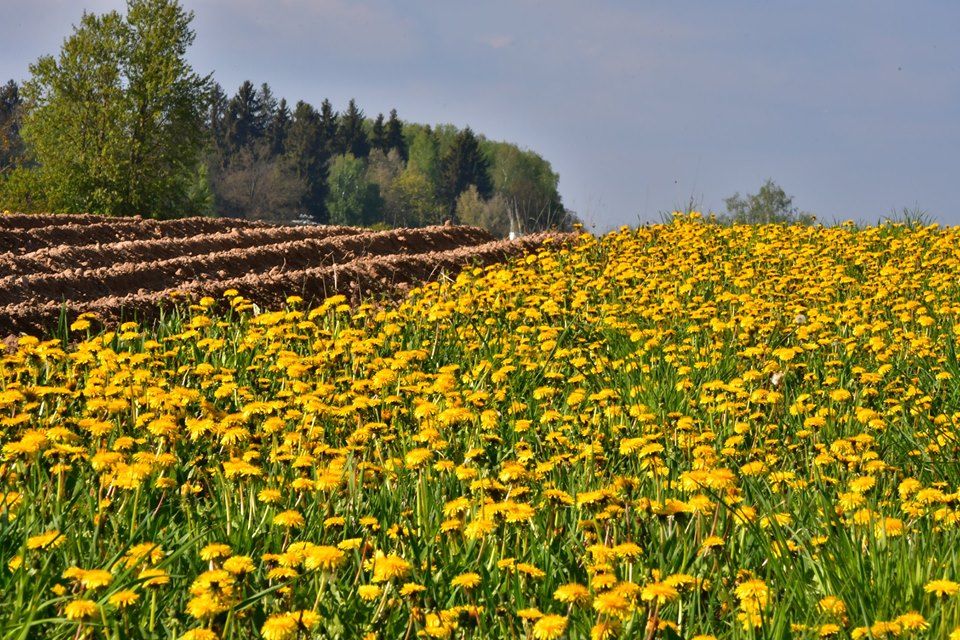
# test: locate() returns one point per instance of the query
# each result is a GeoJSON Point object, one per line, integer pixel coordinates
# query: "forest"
{"type": "Point", "coordinates": [118, 122]}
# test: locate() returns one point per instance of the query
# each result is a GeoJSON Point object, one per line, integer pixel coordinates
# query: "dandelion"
{"type": "Point", "coordinates": [466, 580]}
{"type": "Point", "coordinates": [123, 599]}
{"type": "Point", "coordinates": [80, 609]}
{"type": "Point", "coordinates": [46, 540]}
{"type": "Point", "coordinates": [942, 587]}
{"type": "Point", "coordinates": [549, 627]}
{"type": "Point", "coordinates": [369, 592]}
{"type": "Point", "coordinates": [388, 567]}
{"type": "Point", "coordinates": [572, 593]}
{"type": "Point", "coordinates": [289, 519]}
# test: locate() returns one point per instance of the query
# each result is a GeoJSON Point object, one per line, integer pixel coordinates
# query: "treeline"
{"type": "Point", "coordinates": [119, 123]}
{"type": "Point", "coordinates": [268, 159]}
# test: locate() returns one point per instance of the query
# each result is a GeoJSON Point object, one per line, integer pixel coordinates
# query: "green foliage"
{"type": "Point", "coordinates": [115, 121]}
{"type": "Point", "coordinates": [463, 164]}
{"type": "Point", "coordinates": [770, 204]}
{"type": "Point", "coordinates": [492, 214]}
{"type": "Point", "coordinates": [11, 144]}
{"type": "Point", "coordinates": [425, 155]}
{"type": "Point", "coordinates": [528, 186]}
{"type": "Point", "coordinates": [351, 136]}
{"type": "Point", "coordinates": [352, 200]}
{"type": "Point", "coordinates": [416, 200]}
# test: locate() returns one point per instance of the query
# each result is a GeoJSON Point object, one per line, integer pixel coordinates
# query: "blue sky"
{"type": "Point", "coordinates": [853, 107]}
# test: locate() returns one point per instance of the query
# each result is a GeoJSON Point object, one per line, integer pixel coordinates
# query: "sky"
{"type": "Point", "coordinates": [853, 107]}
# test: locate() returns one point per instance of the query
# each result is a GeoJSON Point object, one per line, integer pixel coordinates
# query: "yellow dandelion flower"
{"type": "Point", "coordinates": [549, 627]}
{"type": "Point", "coordinates": [80, 609]}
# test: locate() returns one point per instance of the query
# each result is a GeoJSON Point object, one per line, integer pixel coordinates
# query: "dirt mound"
{"type": "Point", "coordinates": [156, 262]}
{"type": "Point", "coordinates": [20, 240]}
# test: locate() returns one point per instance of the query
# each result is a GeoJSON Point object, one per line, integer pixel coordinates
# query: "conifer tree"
{"type": "Point", "coordinates": [378, 139]}
{"type": "Point", "coordinates": [308, 152]}
{"type": "Point", "coordinates": [243, 122]}
{"type": "Point", "coordinates": [351, 136]}
{"type": "Point", "coordinates": [462, 165]}
{"type": "Point", "coordinates": [394, 135]}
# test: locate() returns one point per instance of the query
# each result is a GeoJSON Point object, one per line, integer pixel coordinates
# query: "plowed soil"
{"type": "Point", "coordinates": [132, 268]}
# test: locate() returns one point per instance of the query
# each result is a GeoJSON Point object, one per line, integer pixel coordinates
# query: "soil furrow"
{"type": "Point", "coordinates": [21, 241]}
{"type": "Point", "coordinates": [94, 256]}
{"type": "Point", "coordinates": [141, 277]}
{"type": "Point", "coordinates": [362, 277]}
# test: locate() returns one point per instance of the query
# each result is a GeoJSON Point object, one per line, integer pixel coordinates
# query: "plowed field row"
{"type": "Point", "coordinates": [356, 278]}
{"type": "Point", "coordinates": [159, 275]}
{"type": "Point", "coordinates": [23, 239]}
{"type": "Point", "coordinates": [93, 256]}
{"type": "Point", "coordinates": [135, 268]}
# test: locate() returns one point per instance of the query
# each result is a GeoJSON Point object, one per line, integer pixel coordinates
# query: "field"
{"type": "Point", "coordinates": [677, 431]}
{"type": "Point", "coordinates": [117, 268]}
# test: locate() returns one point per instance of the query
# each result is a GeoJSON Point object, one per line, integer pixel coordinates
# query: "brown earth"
{"type": "Point", "coordinates": [97, 229]}
{"type": "Point", "coordinates": [150, 264]}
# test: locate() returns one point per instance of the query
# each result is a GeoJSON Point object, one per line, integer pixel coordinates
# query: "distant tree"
{"type": "Point", "coordinates": [11, 144]}
{"type": "Point", "coordinates": [268, 105]}
{"type": "Point", "coordinates": [278, 128]}
{"type": "Point", "coordinates": [492, 215]}
{"type": "Point", "coordinates": [528, 186]}
{"type": "Point", "coordinates": [770, 204]}
{"type": "Point", "coordinates": [394, 135]}
{"type": "Point", "coordinates": [216, 112]}
{"type": "Point", "coordinates": [308, 151]}
{"type": "Point", "coordinates": [352, 138]}
{"type": "Point", "coordinates": [352, 199]}
{"type": "Point", "coordinates": [415, 201]}
{"type": "Point", "coordinates": [383, 169]}
{"type": "Point", "coordinates": [244, 122]}
{"type": "Point", "coordinates": [261, 187]}
{"type": "Point", "coordinates": [115, 122]}
{"type": "Point", "coordinates": [461, 165]}
{"type": "Point", "coordinates": [378, 135]}
{"type": "Point", "coordinates": [424, 155]}
{"type": "Point", "coordinates": [329, 124]}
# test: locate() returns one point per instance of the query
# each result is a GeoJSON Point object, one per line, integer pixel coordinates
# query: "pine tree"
{"type": "Point", "coordinates": [379, 138]}
{"type": "Point", "coordinates": [352, 138]}
{"type": "Point", "coordinates": [243, 122]}
{"type": "Point", "coordinates": [11, 144]}
{"type": "Point", "coordinates": [308, 152]}
{"type": "Point", "coordinates": [394, 135]}
{"type": "Point", "coordinates": [268, 107]}
{"type": "Point", "coordinates": [329, 122]}
{"type": "Point", "coordinates": [278, 128]}
{"type": "Point", "coordinates": [462, 165]}
{"type": "Point", "coordinates": [216, 112]}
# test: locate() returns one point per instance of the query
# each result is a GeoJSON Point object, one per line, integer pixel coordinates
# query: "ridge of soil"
{"type": "Point", "coordinates": [118, 269]}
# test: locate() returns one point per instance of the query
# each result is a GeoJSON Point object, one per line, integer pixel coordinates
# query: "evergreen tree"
{"type": "Point", "coordinates": [278, 128]}
{"type": "Point", "coordinates": [11, 144]}
{"type": "Point", "coordinates": [394, 135]}
{"type": "Point", "coordinates": [352, 138]}
{"type": "Point", "coordinates": [308, 152]}
{"type": "Point", "coordinates": [378, 139]}
{"type": "Point", "coordinates": [216, 112]}
{"type": "Point", "coordinates": [243, 122]}
{"type": "Point", "coordinates": [462, 165]}
{"type": "Point", "coordinates": [329, 123]}
{"type": "Point", "coordinates": [116, 120]}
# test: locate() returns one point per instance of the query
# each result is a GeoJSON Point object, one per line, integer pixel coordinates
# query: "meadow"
{"type": "Point", "coordinates": [683, 430]}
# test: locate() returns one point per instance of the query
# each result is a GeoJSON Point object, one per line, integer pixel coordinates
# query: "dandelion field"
{"type": "Point", "coordinates": [678, 431]}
